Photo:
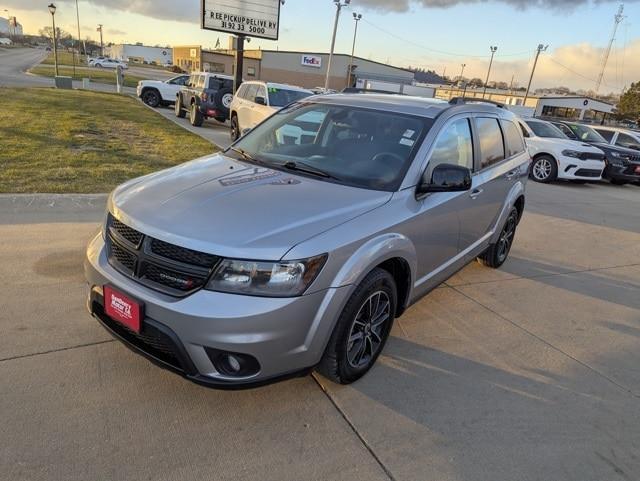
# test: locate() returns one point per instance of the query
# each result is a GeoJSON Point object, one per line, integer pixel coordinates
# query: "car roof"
{"type": "Point", "coordinates": [278, 85]}
{"type": "Point", "coordinates": [213, 74]}
{"type": "Point", "coordinates": [405, 104]}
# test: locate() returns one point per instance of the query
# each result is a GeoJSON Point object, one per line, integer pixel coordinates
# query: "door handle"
{"type": "Point", "coordinates": [512, 174]}
{"type": "Point", "coordinates": [475, 193]}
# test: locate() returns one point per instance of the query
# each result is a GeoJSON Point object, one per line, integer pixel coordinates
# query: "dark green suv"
{"type": "Point", "coordinates": [205, 95]}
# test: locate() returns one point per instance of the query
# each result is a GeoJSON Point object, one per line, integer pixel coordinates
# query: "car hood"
{"type": "Point", "coordinates": [563, 144]}
{"type": "Point", "coordinates": [234, 209]}
{"type": "Point", "coordinates": [151, 82]}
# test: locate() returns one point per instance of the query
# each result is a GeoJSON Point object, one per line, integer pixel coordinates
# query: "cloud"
{"type": "Point", "coordinates": [116, 32]}
{"type": "Point", "coordinates": [405, 5]}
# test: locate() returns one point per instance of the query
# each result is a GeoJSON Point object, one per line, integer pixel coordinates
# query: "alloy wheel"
{"type": "Point", "coordinates": [506, 238]}
{"type": "Point", "coordinates": [368, 329]}
{"type": "Point", "coordinates": [542, 169]}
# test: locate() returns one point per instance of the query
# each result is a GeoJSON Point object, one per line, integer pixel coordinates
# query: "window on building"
{"type": "Point", "coordinates": [560, 112]}
{"type": "Point", "coordinates": [251, 72]}
{"type": "Point", "coordinates": [491, 142]}
{"type": "Point", "coordinates": [454, 146]}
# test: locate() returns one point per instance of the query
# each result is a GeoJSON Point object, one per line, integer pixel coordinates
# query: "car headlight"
{"type": "Point", "coordinates": [267, 279]}
{"type": "Point", "coordinates": [572, 153]}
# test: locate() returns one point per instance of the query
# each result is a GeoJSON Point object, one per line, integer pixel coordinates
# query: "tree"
{"type": "Point", "coordinates": [64, 38]}
{"type": "Point", "coordinates": [629, 106]}
{"type": "Point", "coordinates": [476, 83]}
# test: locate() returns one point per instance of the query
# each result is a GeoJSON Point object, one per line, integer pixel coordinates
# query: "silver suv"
{"type": "Point", "coordinates": [298, 246]}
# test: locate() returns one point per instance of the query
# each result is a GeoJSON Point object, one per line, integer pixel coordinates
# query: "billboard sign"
{"type": "Point", "coordinates": [312, 61]}
{"type": "Point", "coordinates": [252, 18]}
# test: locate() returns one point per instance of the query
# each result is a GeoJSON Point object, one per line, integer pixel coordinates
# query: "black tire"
{"type": "Point", "coordinates": [98, 65]}
{"type": "Point", "coordinates": [618, 182]}
{"type": "Point", "coordinates": [151, 97]}
{"type": "Point", "coordinates": [178, 107]}
{"type": "Point", "coordinates": [195, 116]}
{"type": "Point", "coordinates": [544, 169]}
{"type": "Point", "coordinates": [346, 361]}
{"type": "Point", "coordinates": [235, 128]}
{"type": "Point", "coordinates": [498, 253]}
{"type": "Point", "coordinates": [223, 100]}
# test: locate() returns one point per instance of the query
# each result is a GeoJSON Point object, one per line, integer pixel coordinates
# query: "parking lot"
{"type": "Point", "coordinates": [529, 372]}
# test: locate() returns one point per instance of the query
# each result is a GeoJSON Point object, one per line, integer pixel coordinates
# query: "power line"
{"type": "Point", "coordinates": [579, 74]}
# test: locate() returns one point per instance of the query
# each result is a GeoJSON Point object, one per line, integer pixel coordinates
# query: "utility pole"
{"type": "Point", "coordinates": [101, 43]}
{"type": "Point", "coordinates": [78, 21]}
{"type": "Point", "coordinates": [617, 19]}
{"type": "Point", "coordinates": [541, 48]}
{"type": "Point", "coordinates": [444, 73]}
{"type": "Point", "coordinates": [493, 52]}
{"type": "Point", "coordinates": [462, 73]}
{"type": "Point", "coordinates": [237, 80]}
{"type": "Point", "coordinates": [339, 6]}
{"type": "Point", "coordinates": [356, 17]}
{"type": "Point", "coordinates": [511, 84]}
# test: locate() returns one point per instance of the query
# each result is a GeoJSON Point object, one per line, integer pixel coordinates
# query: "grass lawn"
{"type": "Point", "coordinates": [100, 75]}
{"type": "Point", "coordinates": [65, 58]}
{"type": "Point", "coordinates": [66, 141]}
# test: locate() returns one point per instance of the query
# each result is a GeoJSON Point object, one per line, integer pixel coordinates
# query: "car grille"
{"type": "Point", "coordinates": [588, 173]}
{"type": "Point", "coordinates": [165, 267]}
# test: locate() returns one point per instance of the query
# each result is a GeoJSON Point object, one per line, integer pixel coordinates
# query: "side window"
{"type": "Point", "coordinates": [192, 81]}
{"type": "Point", "coordinates": [567, 131]}
{"type": "Point", "coordinates": [514, 142]}
{"type": "Point", "coordinates": [201, 80]}
{"type": "Point", "coordinates": [241, 91]}
{"type": "Point", "coordinates": [525, 132]}
{"type": "Point", "coordinates": [627, 141]}
{"type": "Point", "coordinates": [251, 92]}
{"type": "Point", "coordinates": [607, 134]}
{"type": "Point", "coordinates": [262, 92]}
{"type": "Point", "coordinates": [491, 142]}
{"type": "Point", "coordinates": [453, 146]}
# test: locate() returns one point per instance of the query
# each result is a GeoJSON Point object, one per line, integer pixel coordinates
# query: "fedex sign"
{"type": "Point", "coordinates": [312, 61]}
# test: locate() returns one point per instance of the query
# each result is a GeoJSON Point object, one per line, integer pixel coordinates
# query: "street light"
{"type": "Point", "coordinates": [339, 6]}
{"type": "Point", "coordinates": [493, 52]}
{"type": "Point", "coordinates": [357, 17]}
{"type": "Point", "coordinates": [52, 11]}
{"type": "Point", "coordinates": [541, 48]}
{"type": "Point", "coordinates": [462, 73]}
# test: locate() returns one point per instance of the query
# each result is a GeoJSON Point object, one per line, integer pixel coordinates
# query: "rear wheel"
{"type": "Point", "coordinates": [497, 253]}
{"type": "Point", "coordinates": [362, 329]}
{"type": "Point", "coordinates": [195, 116]}
{"type": "Point", "coordinates": [544, 169]}
{"type": "Point", "coordinates": [178, 106]}
{"type": "Point", "coordinates": [151, 97]}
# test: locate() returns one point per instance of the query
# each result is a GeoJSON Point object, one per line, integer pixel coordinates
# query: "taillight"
{"type": "Point", "coordinates": [204, 96]}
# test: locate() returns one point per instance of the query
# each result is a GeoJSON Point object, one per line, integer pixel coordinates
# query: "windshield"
{"type": "Point", "coordinates": [586, 133]}
{"type": "Point", "coordinates": [283, 97]}
{"type": "Point", "coordinates": [358, 147]}
{"type": "Point", "coordinates": [545, 129]}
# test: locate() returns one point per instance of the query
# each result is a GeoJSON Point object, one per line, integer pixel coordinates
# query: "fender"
{"type": "Point", "coordinates": [516, 191]}
{"type": "Point", "coordinates": [374, 252]}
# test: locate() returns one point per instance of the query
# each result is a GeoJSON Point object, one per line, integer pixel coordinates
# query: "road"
{"type": "Point", "coordinates": [14, 62]}
{"type": "Point", "coordinates": [211, 130]}
{"type": "Point", "coordinates": [525, 373]}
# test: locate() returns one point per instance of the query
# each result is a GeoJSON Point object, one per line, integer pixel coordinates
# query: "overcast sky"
{"type": "Point", "coordinates": [434, 34]}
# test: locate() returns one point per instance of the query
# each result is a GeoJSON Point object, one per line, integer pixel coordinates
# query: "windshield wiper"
{"type": "Point", "coordinates": [246, 156]}
{"type": "Point", "coordinates": [301, 167]}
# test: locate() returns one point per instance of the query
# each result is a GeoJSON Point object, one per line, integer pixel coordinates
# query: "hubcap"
{"type": "Point", "coordinates": [368, 328]}
{"type": "Point", "coordinates": [506, 238]}
{"type": "Point", "coordinates": [542, 169]}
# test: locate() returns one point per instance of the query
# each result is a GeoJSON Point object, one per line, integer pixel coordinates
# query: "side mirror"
{"type": "Point", "coordinates": [446, 178]}
{"type": "Point", "coordinates": [261, 101]}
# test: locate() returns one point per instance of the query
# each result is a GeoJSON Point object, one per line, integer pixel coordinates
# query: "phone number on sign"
{"type": "Point", "coordinates": [240, 27]}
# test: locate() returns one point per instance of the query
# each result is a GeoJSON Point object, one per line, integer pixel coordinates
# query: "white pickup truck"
{"type": "Point", "coordinates": [158, 92]}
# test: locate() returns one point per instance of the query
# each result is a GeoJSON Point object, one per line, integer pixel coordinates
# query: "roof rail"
{"type": "Point", "coordinates": [464, 100]}
{"type": "Point", "coordinates": [359, 90]}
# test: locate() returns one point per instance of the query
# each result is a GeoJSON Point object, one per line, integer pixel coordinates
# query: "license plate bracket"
{"type": "Point", "coordinates": [123, 309]}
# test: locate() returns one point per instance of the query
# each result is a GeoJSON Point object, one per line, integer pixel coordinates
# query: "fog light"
{"type": "Point", "coordinates": [233, 364]}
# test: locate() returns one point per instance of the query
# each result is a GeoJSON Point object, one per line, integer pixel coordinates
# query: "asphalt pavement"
{"type": "Point", "coordinates": [529, 372]}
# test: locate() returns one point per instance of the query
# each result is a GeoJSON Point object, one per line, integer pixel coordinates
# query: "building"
{"type": "Point", "coordinates": [306, 69]}
{"type": "Point", "coordinates": [139, 53]}
{"type": "Point", "coordinates": [7, 28]}
{"type": "Point", "coordinates": [5, 41]}
{"type": "Point", "coordinates": [567, 107]}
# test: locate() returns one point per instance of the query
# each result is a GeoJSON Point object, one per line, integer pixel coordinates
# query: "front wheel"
{"type": "Point", "coordinates": [178, 106]}
{"type": "Point", "coordinates": [544, 169]}
{"type": "Point", "coordinates": [362, 329]}
{"type": "Point", "coordinates": [235, 129]}
{"type": "Point", "coordinates": [151, 98]}
{"type": "Point", "coordinates": [497, 253]}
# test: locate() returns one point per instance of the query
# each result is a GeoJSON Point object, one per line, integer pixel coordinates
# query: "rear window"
{"type": "Point", "coordinates": [216, 83]}
{"type": "Point", "coordinates": [514, 142]}
{"type": "Point", "coordinates": [282, 97]}
{"type": "Point", "coordinates": [545, 130]}
{"type": "Point", "coordinates": [491, 142]}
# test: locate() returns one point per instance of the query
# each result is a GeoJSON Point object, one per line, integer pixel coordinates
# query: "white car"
{"type": "Point", "coordinates": [158, 92]}
{"type": "Point", "coordinates": [107, 63]}
{"type": "Point", "coordinates": [629, 139]}
{"type": "Point", "coordinates": [255, 101]}
{"type": "Point", "coordinates": [555, 156]}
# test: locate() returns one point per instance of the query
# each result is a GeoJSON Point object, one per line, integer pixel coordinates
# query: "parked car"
{"type": "Point", "coordinates": [622, 164]}
{"type": "Point", "coordinates": [555, 156]}
{"type": "Point", "coordinates": [273, 258]}
{"type": "Point", "coordinates": [255, 101]}
{"type": "Point", "coordinates": [107, 63]}
{"type": "Point", "coordinates": [205, 95]}
{"type": "Point", "coordinates": [626, 138]}
{"type": "Point", "coordinates": [158, 92]}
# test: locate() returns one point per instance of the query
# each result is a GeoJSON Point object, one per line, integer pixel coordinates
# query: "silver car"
{"type": "Point", "coordinates": [297, 247]}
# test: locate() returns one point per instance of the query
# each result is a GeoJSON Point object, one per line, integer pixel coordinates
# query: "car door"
{"type": "Point", "coordinates": [435, 228]}
{"type": "Point", "coordinates": [246, 106]}
{"type": "Point", "coordinates": [496, 171]}
{"type": "Point", "coordinates": [260, 111]}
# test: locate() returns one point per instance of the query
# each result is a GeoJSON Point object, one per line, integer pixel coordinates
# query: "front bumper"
{"type": "Point", "coordinates": [285, 336]}
{"type": "Point", "coordinates": [577, 169]}
{"type": "Point", "coordinates": [623, 172]}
